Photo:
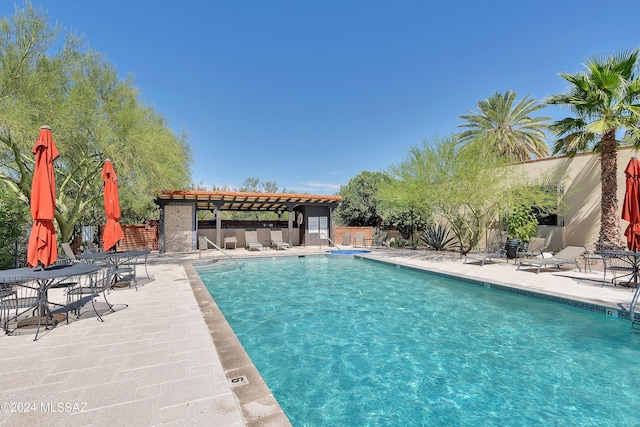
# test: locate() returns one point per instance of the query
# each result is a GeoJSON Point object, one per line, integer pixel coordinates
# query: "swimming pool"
{"type": "Point", "coordinates": [344, 341]}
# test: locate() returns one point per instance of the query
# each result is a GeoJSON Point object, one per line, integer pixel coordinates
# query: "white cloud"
{"type": "Point", "coordinates": [317, 186]}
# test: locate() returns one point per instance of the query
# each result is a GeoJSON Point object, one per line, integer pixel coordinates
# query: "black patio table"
{"type": "Point", "coordinates": [45, 279]}
{"type": "Point", "coordinates": [115, 259]}
{"type": "Point", "coordinates": [631, 259]}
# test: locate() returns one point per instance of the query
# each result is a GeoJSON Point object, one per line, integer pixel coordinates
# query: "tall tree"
{"type": "Point", "coordinates": [510, 129]}
{"type": "Point", "coordinates": [45, 79]}
{"type": "Point", "coordinates": [256, 185]}
{"type": "Point", "coordinates": [269, 186]}
{"type": "Point", "coordinates": [463, 186]}
{"type": "Point", "coordinates": [250, 184]}
{"type": "Point", "coordinates": [360, 205]}
{"type": "Point", "coordinates": [604, 100]}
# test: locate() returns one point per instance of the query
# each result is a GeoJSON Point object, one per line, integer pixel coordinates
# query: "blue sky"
{"type": "Point", "coordinates": [309, 93]}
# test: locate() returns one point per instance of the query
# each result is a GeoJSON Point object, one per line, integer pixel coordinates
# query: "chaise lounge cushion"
{"type": "Point", "coordinates": [277, 240]}
{"type": "Point", "coordinates": [251, 240]}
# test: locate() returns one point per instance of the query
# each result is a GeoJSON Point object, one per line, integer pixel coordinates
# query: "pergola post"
{"type": "Point", "coordinates": [218, 211]}
{"type": "Point", "coordinates": [332, 225]}
{"type": "Point", "coordinates": [290, 225]}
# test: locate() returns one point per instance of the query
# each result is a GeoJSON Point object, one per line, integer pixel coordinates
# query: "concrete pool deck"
{"type": "Point", "coordinates": [169, 358]}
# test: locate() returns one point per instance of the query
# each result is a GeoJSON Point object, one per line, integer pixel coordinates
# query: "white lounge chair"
{"type": "Point", "coordinates": [359, 240]}
{"type": "Point", "coordinates": [277, 240]}
{"type": "Point", "coordinates": [230, 240]}
{"type": "Point", "coordinates": [568, 255]}
{"type": "Point", "coordinates": [203, 245]}
{"type": "Point", "coordinates": [251, 241]}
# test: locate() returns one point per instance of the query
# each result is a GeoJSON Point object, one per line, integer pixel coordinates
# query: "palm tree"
{"type": "Point", "coordinates": [604, 99]}
{"type": "Point", "coordinates": [512, 131]}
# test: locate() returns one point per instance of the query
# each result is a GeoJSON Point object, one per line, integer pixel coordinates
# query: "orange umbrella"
{"type": "Point", "coordinates": [631, 204]}
{"type": "Point", "coordinates": [112, 230]}
{"type": "Point", "coordinates": [42, 242]}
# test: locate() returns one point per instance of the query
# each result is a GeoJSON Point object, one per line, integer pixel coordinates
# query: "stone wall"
{"type": "Point", "coordinates": [179, 226]}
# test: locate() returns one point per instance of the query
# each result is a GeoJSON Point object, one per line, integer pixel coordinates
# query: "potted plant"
{"type": "Point", "coordinates": [522, 225]}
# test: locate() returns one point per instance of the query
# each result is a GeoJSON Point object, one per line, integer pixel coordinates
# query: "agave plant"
{"type": "Point", "coordinates": [437, 237]}
{"type": "Point", "coordinates": [398, 242]}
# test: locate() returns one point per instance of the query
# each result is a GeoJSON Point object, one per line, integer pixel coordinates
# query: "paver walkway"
{"type": "Point", "coordinates": [151, 363]}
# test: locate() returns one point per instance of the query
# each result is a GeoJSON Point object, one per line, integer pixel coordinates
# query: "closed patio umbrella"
{"type": "Point", "coordinates": [631, 204]}
{"type": "Point", "coordinates": [112, 230]}
{"type": "Point", "coordinates": [42, 248]}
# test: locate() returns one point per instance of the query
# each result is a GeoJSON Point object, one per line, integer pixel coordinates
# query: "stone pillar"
{"type": "Point", "coordinates": [179, 227]}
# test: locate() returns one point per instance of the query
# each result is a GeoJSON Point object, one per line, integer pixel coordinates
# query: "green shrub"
{"type": "Point", "coordinates": [521, 223]}
{"type": "Point", "coordinates": [14, 223]}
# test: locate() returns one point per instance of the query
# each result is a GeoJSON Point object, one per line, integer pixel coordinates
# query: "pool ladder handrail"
{"type": "Point", "coordinates": [223, 251]}
{"type": "Point", "coordinates": [334, 244]}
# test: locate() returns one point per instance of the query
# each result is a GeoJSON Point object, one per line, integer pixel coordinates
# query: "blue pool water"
{"type": "Point", "coordinates": [348, 251]}
{"type": "Point", "coordinates": [351, 342]}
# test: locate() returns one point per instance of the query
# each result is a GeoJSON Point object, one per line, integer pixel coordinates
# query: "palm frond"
{"type": "Point", "coordinates": [572, 144]}
{"type": "Point", "coordinates": [510, 129]}
{"type": "Point", "coordinates": [603, 98]}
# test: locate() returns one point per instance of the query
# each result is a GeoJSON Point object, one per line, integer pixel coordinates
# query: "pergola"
{"type": "Point", "coordinates": [217, 201]}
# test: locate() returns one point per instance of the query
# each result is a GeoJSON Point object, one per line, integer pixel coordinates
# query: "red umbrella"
{"type": "Point", "coordinates": [631, 204]}
{"type": "Point", "coordinates": [112, 230]}
{"type": "Point", "coordinates": [42, 242]}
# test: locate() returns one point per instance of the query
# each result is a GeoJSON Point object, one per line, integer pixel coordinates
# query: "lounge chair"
{"type": "Point", "coordinates": [68, 253]}
{"type": "Point", "coordinates": [203, 245]}
{"type": "Point", "coordinates": [91, 247]}
{"type": "Point", "coordinates": [346, 239]}
{"type": "Point", "coordinates": [277, 240]}
{"type": "Point", "coordinates": [359, 240]}
{"type": "Point", "coordinates": [251, 240]}
{"type": "Point", "coordinates": [485, 256]}
{"type": "Point", "coordinates": [380, 239]}
{"type": "Point", "coordinates": [534, 249]}
{"type": "Point", "coordinates": [568, 255]}
{"type": "Point", "coordinates": [230, 240]}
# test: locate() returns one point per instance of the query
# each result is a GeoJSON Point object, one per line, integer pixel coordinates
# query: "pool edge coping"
{"type": "Point", "coordinates": [256, 400]}
{"type": "Point", "coordinates": [600, 307]}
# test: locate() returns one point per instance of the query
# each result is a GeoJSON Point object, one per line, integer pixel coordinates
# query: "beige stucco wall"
{"type": "Point", "coordinates": [580, 179]}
